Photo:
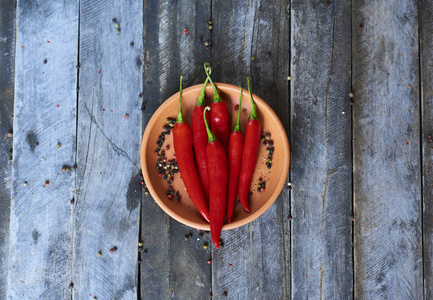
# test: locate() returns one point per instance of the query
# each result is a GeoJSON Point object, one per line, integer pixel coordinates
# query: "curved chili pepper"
{"type": "Point", "coordinates": [219, 115]}
{"type": "Point", "coordinates": [199, 135]}
{"type": "Point", "coordinates": [217, 169]}
{"type": "Point", "coordinates": [249, 154]}
{"type": "Point", "coordinates": [234, 157]}
{"type": "Point", "coordinates": [182, 142]}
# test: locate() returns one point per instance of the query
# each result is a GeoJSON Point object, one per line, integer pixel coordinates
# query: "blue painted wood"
{"type": "Point", "coordinates": [40, 252]}
{"type": "Point", "coordinates": [251, 38]}
{"type": "Point", "coordinates": [7, 67]}
{"type": "Point", "coordinates": [108, 190]}
{"type": "Point", "coordinates": [321, 150]}
{"type": "Point", "coordinates": [426, 49]}
{"type": "Point", "coordinates": [387, 166]}
{"type": "Point", "coordinates": [174, 265]}
{"type": "Point", "coordinates": [308, 256]}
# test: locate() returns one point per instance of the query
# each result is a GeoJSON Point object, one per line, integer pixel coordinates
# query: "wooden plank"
{"type": "Point", "coordinates": [387, 167]}
{"type": "Point", "coordinates": [44, 140]}
{"type": "Point", "coordinates": [321, 150]}
{"type": "Point", "coordinates": [109, 130]}
{"type": "Point", "coordinates": [7, 69]}
{"type": "Point", "coordinates": [172, 266]}
{"type": "Point", "coordinates": [426, 38]}
{"type": "Point", "coordinates": [250, 39]}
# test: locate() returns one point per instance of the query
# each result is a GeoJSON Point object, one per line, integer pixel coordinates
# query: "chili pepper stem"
{"type": "Point", "coordinates": [180, 118]}
{"type": "Point", "coordinates": [216, 97]}
{"type": "Point", "coordinates": [210, 135]}
{"type": "Point", "coordinates": [253, 115]}
{"type": "Point", "coordinates": [237, 126]}
{"type": "Point", "coordinates": [200, 101]}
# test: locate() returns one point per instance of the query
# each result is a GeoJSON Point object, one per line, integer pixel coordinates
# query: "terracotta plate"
{"type": "Point", "coordinates": [184, 210]}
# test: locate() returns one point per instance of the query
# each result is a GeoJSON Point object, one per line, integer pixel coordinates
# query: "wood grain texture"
{"type": "Point", "coordinates": [45, 118]}
{"type": "Point", "coordinates": [172, 267]}
{"type": "Point", "coordinates": [426, 48]}
{"type": "Point", "coordinates": [252, 39]}
{"type": "Point", "coordinates": [386, 132]}
{"type": "Point", "coordinates": [7, 68]}
{"type": "Point", "coordinates": [321, 150]}
{"type": "Point", "coordinates": [109, 129]}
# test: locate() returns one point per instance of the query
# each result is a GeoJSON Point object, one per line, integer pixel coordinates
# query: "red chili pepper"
{"type": "Point", "coordinates": [182, 142]}
{"type": "Point", "coordinates": [219, 115]}
{"type": "Point", "coordinates": [200, 140]}
{"type": "Point", "coordinates": [249, 154]}
{"type": "Point", "coordinates": [234, 157]}
{"type": "Point", "coordinates": [218, 177]}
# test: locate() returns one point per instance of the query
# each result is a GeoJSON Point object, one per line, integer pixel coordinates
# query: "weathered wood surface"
{"type": "Point", "coordinates": [426, 48]}
{"type": "Point", "coordinates": [321, 150]}
{"type": "Point", "coordinates": [7, 67]}
{"type": "Point", "coordinates": [386, 133]}
{"type": "Point", "coordinates": [40, 251]}
{"type": "Point", "coordinates": [172, 266]}
{"type": "Point", "coordinates": [107, 202]}
{"type": "Point", "coordinates": [302, 246]}
{"type": "Point", "coordinates": [252, 39]}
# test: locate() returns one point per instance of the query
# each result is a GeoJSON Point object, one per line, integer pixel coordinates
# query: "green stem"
{"type": "Point", "coordinates": [200, 101]}
{"type": "Point", "coordinates": [237, 126]}
{"type": "Point", "coordinates": [216, 96]}
{"type": "Point", "coordinates": [210, 135]}
{"type": "Point", "coordinates": [180, 118]}
{"type": "Point", "coordinates": [253, 115]}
